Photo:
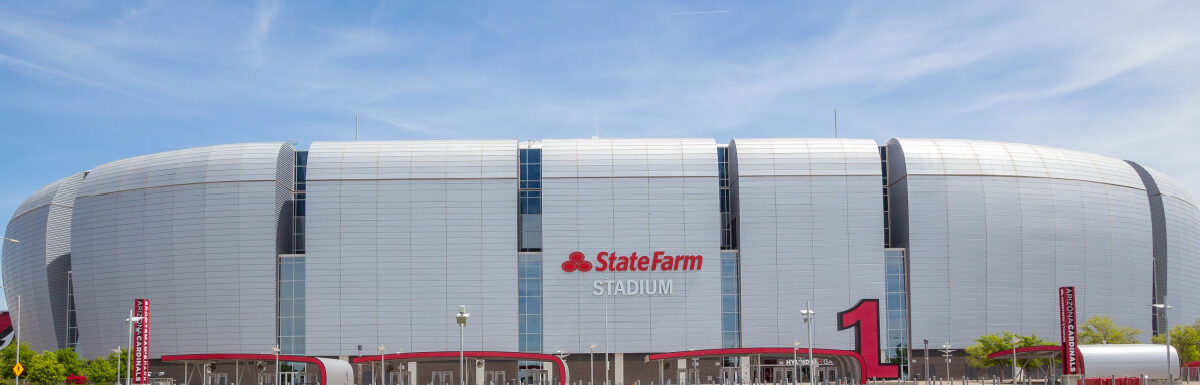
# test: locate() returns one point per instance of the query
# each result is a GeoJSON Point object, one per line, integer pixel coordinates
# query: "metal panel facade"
{"type": "Point", "coordinates": [194, 231]}
{"type": "Point", "coordinates": [625, 196]}
{"type": "Point", "coordinates": [810, 214]}
{"type": "Point", "coordinates": [1183, 250]}
{"type": "Point", "coordinates": [995, 228]}
{"type": "Point", "coordinates": [401, 233]}
{"type": "Point", "coordinates": [35, 269]}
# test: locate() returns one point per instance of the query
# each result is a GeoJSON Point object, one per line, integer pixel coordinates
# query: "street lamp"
{"type": "Point", "coordinates": [926, 372]}
{"type": "Point", "coordinates": [795, 362]}
{"type": "Point", "coordinates": [129, 364]}
{"type": "Point", "coordinates": [462, 326]}
{"type": "Point", "coordinates": [382, 367]}
{"type": "Point", "coordinates": [10, 240]}
{"type": "Point", "coordinates": [1015, 340]}
{"type": "Point", "coordinates": [946, 350]}
{"type": "Point", "coordinates": [591, 366]}
{"type": "Point", "coordinates": [808, 313]}
{"type": "Point", "coordinates": [118, 351]}
{"type": "Point", "coordinates": [277, 374]}
{"type": "Point", "coordinates": [1164, 308]}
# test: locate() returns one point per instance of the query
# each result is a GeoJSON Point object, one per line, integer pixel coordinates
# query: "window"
{"type": "Point", "coordinates": [895, 349]}
{"type": "Point", "coordinates": [728, 230]}
{"type": "Point", "coordinates": [291, 303]}
{"type": "Point", "coordinates": [730, 303]}
{"type": "Point", "coordinates": [529, 302]}
{"type": "Point", "coordinates": [298, 202]}
{"type": "Point", "coordinates": [529, 196]}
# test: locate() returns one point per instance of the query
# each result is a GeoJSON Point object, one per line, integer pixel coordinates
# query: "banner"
{"type": "Point", "coordinates": [141, 342]}
{"type": "Point", "coordinates": [1066, 318]}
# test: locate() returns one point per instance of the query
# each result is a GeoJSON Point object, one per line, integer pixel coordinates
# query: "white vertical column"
{"type": "Point", "coordinates": [744, 367]}
{"type": "Point", "coordinates": [479, 372]}
{"type": "Point", "coordinates": [681, 371]}
{"type": "Point", "coordinates": [619, 368]}
{"type": "Point", "coordinates": [412, 373]}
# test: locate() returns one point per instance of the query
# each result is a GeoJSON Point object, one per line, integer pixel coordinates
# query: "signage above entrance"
{"type": "Point", "coordinates": [610, 261]}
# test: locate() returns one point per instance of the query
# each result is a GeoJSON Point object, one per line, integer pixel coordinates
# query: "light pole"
{"type": "Point", "coordinates": [795, 362]}
{"type": "Point", "coordinates": [946, 350]}
{"type": "Point", "coordinates": [129, 364]}
{"type": "Point", "coordinates": [1015, 340]}
{"type": "Point", "coordinates": [462, 327]}
{"type": "Point", "coordinates": [278, 375]}
{"type": "Point", "coordinates": [118, 351]}
{"type": "Point", "coordinates": [926, 372]}
{"type": "Point", "coordinates": [812, 367]}
{"type": "Point", "coordinates": [591, 366]}
{"type": "Point", "coordinates": [1164, 308]}
{"type": "Point", "coordinates": [382, 367]}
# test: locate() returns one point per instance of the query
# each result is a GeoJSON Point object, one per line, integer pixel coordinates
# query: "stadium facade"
{"type": "Point", "coordinates": [637, 246]}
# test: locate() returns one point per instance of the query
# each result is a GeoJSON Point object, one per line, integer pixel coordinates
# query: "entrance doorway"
{"type": "Point", "coordinates": [496, 377]}
{"type": "Point", "coordinates": [445, 377]}
{"type": "Point", "coordinates": [398, 377]}
{"type": "Point", "coordinates": [218, 379]}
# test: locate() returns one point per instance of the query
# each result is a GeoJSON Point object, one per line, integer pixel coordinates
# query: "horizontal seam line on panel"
{"type": "Point", "coordinates": [810, 175]}
{"type": "Point", "coordinates": [1020, 176]}
{"type": "Point", "coordinates": [631, 176]}
{"type": "Point", "coordinates": [289, 188]}
{"type": "Point", "coordinates": [34, 209]}
{"type": "Point", "coordinates": [382, 179]}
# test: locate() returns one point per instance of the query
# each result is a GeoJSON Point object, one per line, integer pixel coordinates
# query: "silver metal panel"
{"type": "Point", "coordinates": [1183, 249]}
{"type": "Point", "coordinates": [994, 228]}
{"type": "Point", "coordinates": [401, 233]}
{"type": "Point", "coordinates": [1129, 360]}
{"type": "Point", "coordinates": [625, 196]}
{"type": "Point", "coordinates": [810, 213]}
{"type": "Point", "coordinates": [192, 230]}
{"type": "Point", "coordinates": [35, 269]}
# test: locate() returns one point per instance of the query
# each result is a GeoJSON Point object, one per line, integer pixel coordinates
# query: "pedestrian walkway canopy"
{"type": "Point", "coordinates": [1107, 360]}
{"type": "Point", "coordinates": [332, 371]}
{"type": "Point", "coordinates": [849, 360]}
{"type": "Point", "coordinates": [564, 376]}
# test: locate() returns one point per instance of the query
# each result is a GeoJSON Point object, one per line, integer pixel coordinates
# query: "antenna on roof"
{"type": "Point", "coordinates": [835, 133]}
{"type": "Point", "coordinates": [355, 126]}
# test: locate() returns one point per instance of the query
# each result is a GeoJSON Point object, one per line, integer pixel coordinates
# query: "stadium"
{"type": "Point", "coordinates": [687, 257]}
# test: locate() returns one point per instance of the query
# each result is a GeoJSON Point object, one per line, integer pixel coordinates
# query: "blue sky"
{"type": "Point", "coordinates": [84, 83]}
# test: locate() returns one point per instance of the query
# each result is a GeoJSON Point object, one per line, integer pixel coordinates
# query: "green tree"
{"type": "Point", "coordinates": [1100, 329]}
{"type": "Point", "coordinates": [45, 369]}
{"type": "Point", "coordinates": [1185, 339]}
{"type": "Point", "coordinates": [991, 343]}
{"type": "Point", "coordinates": [102, 370]}
{"type": "Point", "coordinates": [8, 358]}
{"type": "Point", "coordinates": [70, 360]}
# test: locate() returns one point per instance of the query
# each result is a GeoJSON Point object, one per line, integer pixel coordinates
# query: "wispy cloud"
{"type": "Point", "coordinates": [263, 17]}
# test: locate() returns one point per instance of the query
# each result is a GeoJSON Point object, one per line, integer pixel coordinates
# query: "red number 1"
{"type": "Point", "coordinates": [864, 318]}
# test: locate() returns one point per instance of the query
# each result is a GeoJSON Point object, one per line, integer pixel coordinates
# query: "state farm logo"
{"type": "Point", "coordinates": [576, 261]}
{"type": "Point", "coordinates": [610, 261]}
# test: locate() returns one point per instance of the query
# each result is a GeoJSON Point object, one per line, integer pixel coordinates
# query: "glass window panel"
{"type": "Point", "coordinates": [895, 320]}
{"type": "Point", "coordinates": [895, 301]}
{"type": "Point", "coordinates": [535, 155]}
{"type": "Point", "coordinates": [535, 305]}
{"type": "Point", "coordinates": [729, 321]}
{"type": "Point", "coordinates": [285, 326]}
{"type": "Point", "coordinates": [285, 307]}
{"type": "Point", "coordinates": [893, 284]}
{"type": "Point", "coordinates": [298, 326]}
{"type": "Point", "coordinates": [298, 290]}
{"type": "Point", "coordinates": [285, 289]}
{"type": "Point", "coordinates": [298, 307]}
{"type": "Point", "coordinates": [729, 267]}
{"type": "Point", "coordinates": [894, 266]}
{"type": "Point", "coordinates": [729, 303]}
{"type": "Point", "coordinates": [285, 271]}
{"type": "Point", "coordinates": [729, 285]}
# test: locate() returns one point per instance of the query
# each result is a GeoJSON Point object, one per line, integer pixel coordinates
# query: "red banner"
{"type": "Point", "coordinates": [141, 342]}
{"type": "Point", "coordinates": [1066, 317]}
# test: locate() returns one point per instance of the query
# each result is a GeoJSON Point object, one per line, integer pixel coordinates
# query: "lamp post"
{"type": "Point", "coordinates": [1015, 340]}
{"type": "Point", "coordinates": [808, 313]}
{"type": "Point", "coordinates": [118, 351]}
{"type": "Point", "coordinates": [795, 362]}
{"type": "Point", "coordinates": [128, 364]}
{"type": "Point", "coordinates": [461, 317]}
{"type": "Point", "coordinates": [926, 372]}
{"type": "Point", "coordinates": [382, 367]}
{"type": "Point", "coordinates": [278, 375]}
{"type": "Point", "coordinates": [1164, 307]}
{"type": "Point", "coordinates": [946, 350]}
{"type": "Point", "coordinates": [591, 366]}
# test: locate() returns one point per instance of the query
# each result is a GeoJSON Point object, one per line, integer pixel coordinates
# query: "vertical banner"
{"type": "Point", "coordinates": [1066, 318]}
{"type": "Point", "coordinates": [141, 342]}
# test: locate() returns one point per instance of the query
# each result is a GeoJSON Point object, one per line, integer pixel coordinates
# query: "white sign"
{"type": "Point", "coordinates": [633, 287]}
